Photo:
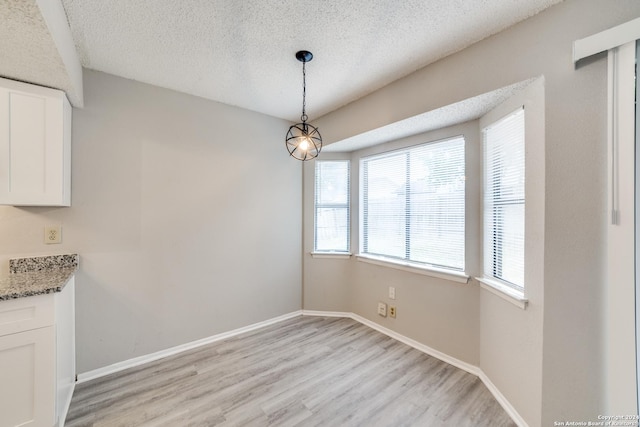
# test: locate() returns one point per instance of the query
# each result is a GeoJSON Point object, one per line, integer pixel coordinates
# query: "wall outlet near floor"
{"type": "Point", "coordinates": [392, 292]}
{"type": "Point", "coordinates": [382, 309]}
{"type": "Point", "coordinates": [392, 311]}
{"type": "Point", "coordinates": [52, 234]}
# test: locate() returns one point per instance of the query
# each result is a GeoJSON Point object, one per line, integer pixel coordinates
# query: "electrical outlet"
{"type": "Point", "coordinates": [382, 309]}
{"type": "Point", "coordinates": [52, 234]}
{"type": "Point", "coordinates": [392, 311]}
{"type": "Point", "coordinates": [392, 292]}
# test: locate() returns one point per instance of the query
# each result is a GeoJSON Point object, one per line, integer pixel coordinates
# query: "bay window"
{"type": "Point", "coordinates": [504, 200]}
{"type": "Point", "coordinates": [413, 205]}
{"type": "Point", "coordinates": [332, 213]}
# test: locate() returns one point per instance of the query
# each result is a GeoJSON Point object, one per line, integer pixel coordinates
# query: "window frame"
{"type": "Point", "coordinates": [497, 283]}
{"type": "Point", "coordinates": [440, 271]}
{"type": "Point", "coordinates": [316, 206]}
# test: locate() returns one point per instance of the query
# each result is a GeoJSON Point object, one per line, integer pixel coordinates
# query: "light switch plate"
{"type": "Point", "coordinates": [382, 309]}
{"type": "Point", "coordinates": [392, 292]}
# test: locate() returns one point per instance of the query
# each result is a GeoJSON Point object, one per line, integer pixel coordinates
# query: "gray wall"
{"type": "Point", "coordinates": [349, 285]}
{"type": "Point", "coordinates": [177, 203]}
{"type": "Point", "coordinates": [511, 340]}
{"type": "Point", "coordinates": [563, 379]}
{"type": "Point", "coordinates": [186, 214]}
{"type": "Point", "coordinates": [326, 281]}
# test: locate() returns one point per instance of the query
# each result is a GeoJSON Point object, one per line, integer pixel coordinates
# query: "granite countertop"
{"type": "Point", "coordinates": [37, 276]}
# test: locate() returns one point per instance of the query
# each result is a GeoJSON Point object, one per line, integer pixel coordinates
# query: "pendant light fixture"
{"type": "Point", "coordinates": [303, 140]}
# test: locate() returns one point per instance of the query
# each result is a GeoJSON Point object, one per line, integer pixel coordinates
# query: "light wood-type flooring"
{"type": "Point", "coordinates": [305, 371]}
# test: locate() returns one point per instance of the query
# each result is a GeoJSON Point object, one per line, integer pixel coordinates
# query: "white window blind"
{"type": "Point", "coordinates": [332, 206]}
{"type": "Point", "coordinates": [504, 199]}
{"type": "Point", "coordinates": [413, 204]}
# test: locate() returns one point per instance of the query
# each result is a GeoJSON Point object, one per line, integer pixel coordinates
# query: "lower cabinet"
{"type": "Point", "coordinates": [37, 359]}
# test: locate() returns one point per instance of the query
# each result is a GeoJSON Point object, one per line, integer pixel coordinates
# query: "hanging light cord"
{"type": "Point", "coordinates": [303, 140]}
{"type": "Point", "coordinates": [304, 93]}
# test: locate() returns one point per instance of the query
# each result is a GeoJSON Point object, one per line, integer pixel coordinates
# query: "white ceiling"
{"type": "Point", "coordinates": [242, 52]}
{"type": "Point", "coordinates": [28, 51]}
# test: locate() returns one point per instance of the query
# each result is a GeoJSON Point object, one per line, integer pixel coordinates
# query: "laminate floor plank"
{"type": "Point", "coordinates": [305, 371]}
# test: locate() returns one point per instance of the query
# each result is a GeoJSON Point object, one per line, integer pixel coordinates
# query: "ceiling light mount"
{"type": "Point", "coordinates": [303, 140]}
{"type": "Point", "coordinates": [304, 56]}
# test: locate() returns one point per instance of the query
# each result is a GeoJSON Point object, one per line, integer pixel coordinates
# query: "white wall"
{"type": "Point", "coordinates": [186, 214]}
{"type": "Point", "coordinates": [569, 365]}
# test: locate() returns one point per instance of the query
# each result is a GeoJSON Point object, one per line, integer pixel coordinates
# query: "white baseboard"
{"type": "Point", "coordinates": [506, 405]}
{"type": "Point", "coordinates": [398, 337]}
{"type": "Point", "coordinates": [62, 417]}
{"type": "Point", "coordinates": [137, 361]}
{"type": "Point", "coordinates": [474, 370]}
{"type": "Point", "coordinates": [419, 346]}
{"type": "Point", "coordinates": [326, 313]}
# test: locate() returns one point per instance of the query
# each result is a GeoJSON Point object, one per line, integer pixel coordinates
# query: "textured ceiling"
{"type": "Point", "coordinates": [28, 51]}
{"type": "Point", "coordinates": [242, 52]}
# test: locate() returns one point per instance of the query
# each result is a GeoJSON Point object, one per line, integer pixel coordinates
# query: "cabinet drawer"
{"type": "Point", "coordinates": [27, 313]}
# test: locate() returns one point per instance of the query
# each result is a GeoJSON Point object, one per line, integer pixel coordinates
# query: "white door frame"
{"type": "Point", "coordinates": [621, 376]}
{"type": "Point", "coordinates": [637, 233]}
{"type": "Point", "coordinates": [620, 321]}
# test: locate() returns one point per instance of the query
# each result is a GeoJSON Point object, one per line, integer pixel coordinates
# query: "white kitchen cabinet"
{"type": "Point", "coordinates": [27, 375]}
{"type": "Point", "coordinates": [37, 359]}
{"type": "Point", "coordinates": [35, 145]}
{"type": "Point", "coordinates": [65, 327]}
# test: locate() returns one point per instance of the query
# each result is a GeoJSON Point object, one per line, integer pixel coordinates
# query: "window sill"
{"type": "Point", "coordinates": [503, 291]}
{"type": "Point", "coordinates": [329, 255]}
{"type": "Point", "coordinates": [440, 273]}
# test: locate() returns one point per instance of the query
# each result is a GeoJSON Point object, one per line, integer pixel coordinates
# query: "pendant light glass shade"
{"type": "Point", "coordinates": [303, 140]}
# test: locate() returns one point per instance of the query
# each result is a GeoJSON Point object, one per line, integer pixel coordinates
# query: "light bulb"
{"type": "Point", "coordinates": [304, 144]}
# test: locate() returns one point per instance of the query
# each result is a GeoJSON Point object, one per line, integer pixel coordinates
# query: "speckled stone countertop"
{"type": "Point", "coordinates": [38, 275]}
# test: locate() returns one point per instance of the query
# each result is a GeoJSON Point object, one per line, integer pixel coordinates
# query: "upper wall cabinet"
{"type": "Point", "coordinates": [35, 145]}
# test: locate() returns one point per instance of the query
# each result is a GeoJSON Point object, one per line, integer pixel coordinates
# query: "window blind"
{"type": "Point", "coordinates": [413, 204]}
{"type": "Point", "coordinates": [332, 206]}
{"type": "Point", "coordinates": [504, 199]}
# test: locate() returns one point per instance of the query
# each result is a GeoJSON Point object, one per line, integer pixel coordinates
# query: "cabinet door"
{"type": "Point", "coordinates": [27, 372]}
{"type": "Point", "coordinates": [34, 146]}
